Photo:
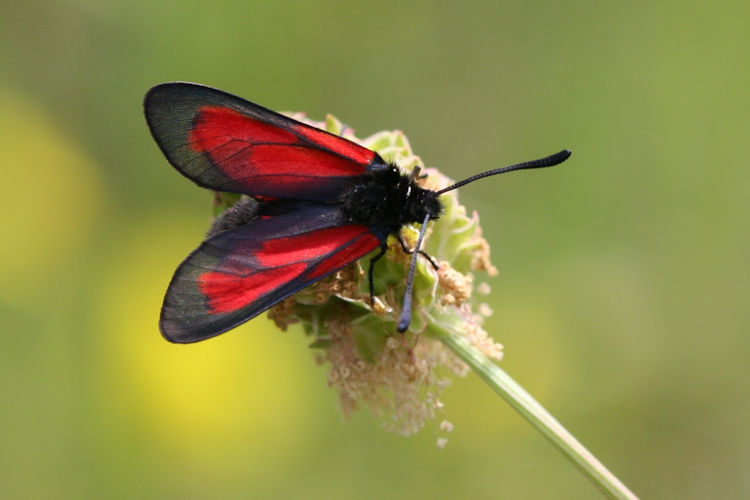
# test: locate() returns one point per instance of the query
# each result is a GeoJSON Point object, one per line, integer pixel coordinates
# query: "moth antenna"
{"type": "Point", "coordinates": [403, 322]}
{"type": "Point", "coordinates": [547, 161]}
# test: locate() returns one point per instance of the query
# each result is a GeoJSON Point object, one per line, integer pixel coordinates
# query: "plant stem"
{"type": "Point", "coordinates": [531, 410]}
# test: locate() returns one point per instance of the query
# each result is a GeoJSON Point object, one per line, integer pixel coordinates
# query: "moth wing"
{"type": "Point", "coordinates": [235, 275]}
{"type": "Point", "coordinates": [226, 143]}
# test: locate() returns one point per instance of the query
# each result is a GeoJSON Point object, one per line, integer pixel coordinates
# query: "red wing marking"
{"type": "Point", "coordinates": [214, 126]}
{"type": "Point", "coordinates": [287, 159]}
{"type": "Point", "coordinates": [228, 292]}
{"type": "Point", "coordinates": [365, 244]}
{"type": "Point", "coordinates": [245, 147]}
{"type": "Point", "coordinates": [357, 153]}
{"type": "Point", "coordinates": [308, 246]}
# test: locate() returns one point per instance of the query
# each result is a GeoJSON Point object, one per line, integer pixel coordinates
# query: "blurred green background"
{"type": "Point", "coordinates": [623, 295]}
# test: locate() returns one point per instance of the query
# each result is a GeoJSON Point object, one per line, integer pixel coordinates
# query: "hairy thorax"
{"type": "Point", "coordinates": [386, 200]}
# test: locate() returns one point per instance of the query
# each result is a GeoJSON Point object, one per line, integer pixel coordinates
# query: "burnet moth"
{"type": "Point", "coordinates": [317, 202]}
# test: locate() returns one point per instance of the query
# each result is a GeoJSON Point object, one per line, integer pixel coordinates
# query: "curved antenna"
{"type": "Point", "coordinates": [547, 161]}
{"type": "Point", "coordinates": [403, 322]}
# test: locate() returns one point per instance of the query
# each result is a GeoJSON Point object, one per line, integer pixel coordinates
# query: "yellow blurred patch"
{"type": "Point", "coordinates": [49, 195]}
{"type": "Point", "coordinates": [204, 402]}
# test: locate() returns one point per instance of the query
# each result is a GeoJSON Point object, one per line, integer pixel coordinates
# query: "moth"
{"type": "Point", "coordinates": [317, 202]}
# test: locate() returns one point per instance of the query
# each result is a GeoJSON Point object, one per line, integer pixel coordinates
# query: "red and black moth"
{"type": "Point", "coordinates": [317, 202]}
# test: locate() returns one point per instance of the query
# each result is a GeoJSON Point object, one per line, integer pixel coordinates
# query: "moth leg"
{"type": "Point", "coordinates": [370, 271]}
{"type": "Point", "coordinates": [424, 254]}
{"type": "Point", "coordinates": [415, 173]}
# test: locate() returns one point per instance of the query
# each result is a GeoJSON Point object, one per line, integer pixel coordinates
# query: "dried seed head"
{"type": "Point", "coordinates": [399, 376]}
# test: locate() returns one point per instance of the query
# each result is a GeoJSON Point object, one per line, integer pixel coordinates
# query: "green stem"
{"type": "Point", "coordinates": [532, 411]}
